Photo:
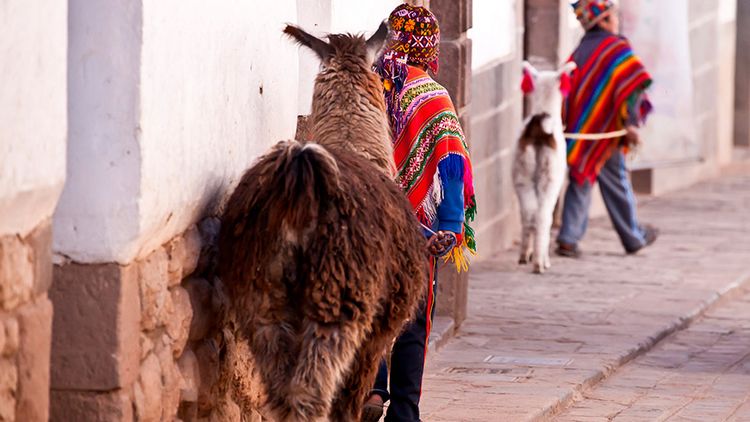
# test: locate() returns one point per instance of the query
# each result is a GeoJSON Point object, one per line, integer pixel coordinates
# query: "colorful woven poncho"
{"type": "Point", "coordinates": [605, 89]}
{"type": "Point", "coordinates": [431, 133]}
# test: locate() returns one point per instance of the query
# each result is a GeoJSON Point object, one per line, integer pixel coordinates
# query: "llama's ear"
{"type": "Point", "coordinates": [565, 80]}
{"type": "Point", "coordinates": [320, 47]}
{"type": "Point", "coordinates": [376, 41]}
{"type": "Point", "coordinates": [568, 68]}
{"type": "Point", "coordinates": [531, 70]}
{"type": "Point", "coordinates": [529, 74]}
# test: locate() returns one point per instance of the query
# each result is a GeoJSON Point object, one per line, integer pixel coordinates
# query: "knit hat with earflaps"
{"type": "Point", "coordinates": [413, 39]}
{"type": "Point", "coordinates": [591, 12]}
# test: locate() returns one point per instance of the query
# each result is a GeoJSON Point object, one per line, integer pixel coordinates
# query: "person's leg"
{"type": "Point", "coordinates": [408, 358]}
{"type": "Point", "coordinates": [575, 213]}
{"type": "Point", "coordinates": [618, 196]}
{"type": "Point", "coordinates": [381, 381]}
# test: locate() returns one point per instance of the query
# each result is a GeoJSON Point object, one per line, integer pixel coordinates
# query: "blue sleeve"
{"type": "Point", "coordinates": [450, 213]}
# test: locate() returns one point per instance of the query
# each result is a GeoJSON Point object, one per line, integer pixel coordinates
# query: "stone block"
{"type": "Point", "coordinates": [454, 17]}
{"type": "Point", "coordinates": [16, 272]}
{"type": "Point", "coordinates": [171, 380]}
{"type": "Point", "coordinates": [153, 276]}
{"type": "Point", "coordinates": [8, 387]}
{"type": "Point", "coordinates": [452, 293]}
{"type": "Point", "coordinates": [542, 42]}
{"type": "Point", "coordinates": [191, 377]}
{"type": "Point", "coordinates": [40, 241]}
{"type": "Point", "coordinates": [11, 336]}
{"type": "Point", "coordinates": [69, 406]}
{"type": "Point", "coordinates": [148, 391]}
{"type": "Point", "coordinates": [178, 323]}
{"type": "Point", "coordinates": [494, 133]}
{"type": "Point", "coordinates": [200, 292]}
{"type": "Point", "coordinates": [193, 245]}
{"type": "Point", "coordinates": [35, 323]}
{"type": "Point", "coordinates": [455, 70]}
{"type": "Point", "coordinates": [96, 328]}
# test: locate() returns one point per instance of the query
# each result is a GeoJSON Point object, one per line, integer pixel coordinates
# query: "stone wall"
{"type": "Point", "coordinates": [25, 325]}
{"type": "Point", "coordinates": [497, 107]}
{"type": "Point", "coordinates": [144, 342]}
{"type": "Point", "coordinates": [455, 75]}
{"type": "Point", "coordinates": [742, 75]}
{"type": "Point", "coordinates": [32, 172]}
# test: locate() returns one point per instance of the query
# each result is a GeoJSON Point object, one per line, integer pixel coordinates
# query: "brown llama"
{"type": "Point", "coordinates": [322, 257]}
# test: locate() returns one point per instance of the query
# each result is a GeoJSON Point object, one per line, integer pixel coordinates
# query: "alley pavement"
{"type": "Point", "coordinates": [534, 347]}
{"type": "Point", "coordinates": [700, 374]}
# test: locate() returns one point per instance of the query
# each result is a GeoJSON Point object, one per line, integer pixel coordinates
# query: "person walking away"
{"type": "Point", "coordinates": [606, 105]}
{"type": "Point", "coordinates": [434, 171]}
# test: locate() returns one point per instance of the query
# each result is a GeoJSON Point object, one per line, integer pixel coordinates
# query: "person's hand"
{"type": "Point", "coordinates": [441, 243]}
{"type": "Point", "coordinates": [632, 138]}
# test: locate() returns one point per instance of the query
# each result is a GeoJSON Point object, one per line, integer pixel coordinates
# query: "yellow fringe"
{"type": "Point", "coordinates": [459, 258]}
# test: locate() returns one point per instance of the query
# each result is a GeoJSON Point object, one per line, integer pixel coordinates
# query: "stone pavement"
{"type": "Point", "coordinates": [701, 374]}
{"type": "Point", "coordinates": [532, 345]}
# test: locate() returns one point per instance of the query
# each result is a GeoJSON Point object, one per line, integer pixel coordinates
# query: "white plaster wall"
{"type": "Point", "coordinates": [171, 100]}
{"type": "Point", "coordinates": [97, 218]}
{"type": "Point", "coordinates": [727, 67]}
{"type": "Point", "coordinates": [493, 32]}
{"type": "Point", "coordinates": [315, 17]}
{"type": "Point", "coordinates": [33, 37]}
{"type": "Point", "coordinates": [219, 86]}
{"type": "Point", "coordinates": [360, 16]}
{"type": "Point", "coordinates": [321, 17]}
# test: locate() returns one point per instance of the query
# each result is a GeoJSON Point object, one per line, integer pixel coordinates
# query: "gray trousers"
{"type": "Point", "coordinates": [618, 196]}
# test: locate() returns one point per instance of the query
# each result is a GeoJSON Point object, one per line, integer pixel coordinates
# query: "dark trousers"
{"type": "Point", "coordinates": [407, 361]}
{"type": "Point", "coordinates": [618, 196]}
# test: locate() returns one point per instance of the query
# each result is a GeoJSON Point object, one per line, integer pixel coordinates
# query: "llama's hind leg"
{"type": "Point", "coordinates": [325, 357]}
{"type": "Point", "coordinates": [544, 226]}
{"type": "Point", "coordinates": [358, 384]}
{"type": "Point", "coordinates": [528, 204]}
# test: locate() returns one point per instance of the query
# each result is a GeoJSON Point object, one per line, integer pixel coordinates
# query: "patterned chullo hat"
{"type": "Point", "coordinates": [413, 39]}
{"type": "Point", "coordinates": [591, 12]}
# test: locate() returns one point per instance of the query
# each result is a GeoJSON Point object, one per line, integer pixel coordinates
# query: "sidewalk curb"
{"type": "Point", "coordinates": [443, 330]}
{"type": "Point", "coordinates": [569, 399]}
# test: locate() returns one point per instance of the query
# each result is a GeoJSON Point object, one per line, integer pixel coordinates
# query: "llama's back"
{"type": "Point", "coordinates": [317, 239]}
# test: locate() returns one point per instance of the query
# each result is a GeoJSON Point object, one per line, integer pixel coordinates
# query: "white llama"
{"type": "Point", "coordinates": [539, 165]}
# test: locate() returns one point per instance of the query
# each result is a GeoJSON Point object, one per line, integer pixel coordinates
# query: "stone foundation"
{"type": "Point", "coordinates": [25, 325]}
{"type": "Point", "coordinates": [143, 341]}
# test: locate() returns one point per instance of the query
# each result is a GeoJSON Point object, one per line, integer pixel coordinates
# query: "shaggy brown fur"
{"type": "Point", "coordinates": [535, 135]}
{"type": "Point", "coordinates": [320, 252]}
{"type": "Point", "coordinates": [348, 110]}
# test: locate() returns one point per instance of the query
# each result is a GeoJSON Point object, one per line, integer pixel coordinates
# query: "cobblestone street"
{"type": "Point", "coordinates": [534, 346]}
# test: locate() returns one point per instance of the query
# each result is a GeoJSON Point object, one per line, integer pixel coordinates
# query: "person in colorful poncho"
{"type": "Point", "coordinates": [434, 171]}
{"type": "Point", "coordinates": [606, 104]}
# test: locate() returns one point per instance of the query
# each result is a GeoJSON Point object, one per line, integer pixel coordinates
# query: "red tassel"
{"type": "Point", "coordinates": [565, 84]}
{"type": "Point", "coordinates": [527, 85]}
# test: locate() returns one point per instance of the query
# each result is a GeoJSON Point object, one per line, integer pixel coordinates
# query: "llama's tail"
{"type": "Point", "coordinates": [306, 176]}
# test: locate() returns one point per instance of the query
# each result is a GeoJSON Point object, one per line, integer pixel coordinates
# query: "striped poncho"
{"type": "Point", "coordinates": [606, 92]}
{"type": "Point", "coordinates": [428, 138]}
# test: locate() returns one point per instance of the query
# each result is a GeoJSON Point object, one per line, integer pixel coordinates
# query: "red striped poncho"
{"type": "Point", "coordinates": [606, 82]}
{"type": "Point", "coordinates": [430, 134]}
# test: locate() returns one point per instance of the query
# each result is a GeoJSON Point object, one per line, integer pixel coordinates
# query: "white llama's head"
{"type": "Point", "coordinates": [546, 89]}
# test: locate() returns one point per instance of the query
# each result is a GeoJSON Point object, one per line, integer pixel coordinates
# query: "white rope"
{"type": "Point", "coordinates": [596, 136]}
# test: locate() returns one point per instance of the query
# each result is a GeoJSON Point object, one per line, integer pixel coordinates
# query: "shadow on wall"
{"type": "Point", "coordinates": [219, 380]}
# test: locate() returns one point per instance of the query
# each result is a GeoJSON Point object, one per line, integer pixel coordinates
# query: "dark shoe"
{"type": "Point", "coordinates": [650, 234]}
{"type": "Point", "coordinates": [568, 250]}
{"type": "Point", "coordinates": [373, 410]}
